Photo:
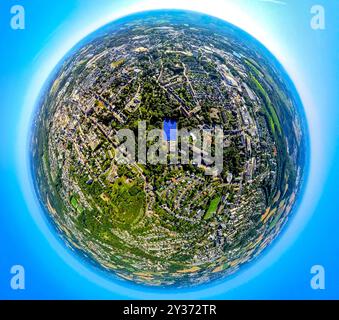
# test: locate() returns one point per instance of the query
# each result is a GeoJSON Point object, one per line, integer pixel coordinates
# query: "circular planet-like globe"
{"type": "Point", "coordinates": [168, 148]}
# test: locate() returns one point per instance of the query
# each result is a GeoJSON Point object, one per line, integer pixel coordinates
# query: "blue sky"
{"type": "Point", "coordinates": [309, 56]}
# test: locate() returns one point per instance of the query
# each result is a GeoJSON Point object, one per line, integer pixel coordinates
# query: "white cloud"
{"type": "Point", "coordinates": [275, 2]}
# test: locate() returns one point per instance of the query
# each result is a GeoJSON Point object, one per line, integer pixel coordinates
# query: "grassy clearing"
{"type": "Point", "coordinates": [270, 111]}
{"type": "Point", "coordinates": [212, 208]}
{"type": "Point", "coordinates": [117, 63]}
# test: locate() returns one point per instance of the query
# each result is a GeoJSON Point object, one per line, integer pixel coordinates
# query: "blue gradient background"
{"type": "Point", "coordinates": [310, 57]}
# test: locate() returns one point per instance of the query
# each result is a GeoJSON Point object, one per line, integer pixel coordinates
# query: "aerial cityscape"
{"type": "Point", "coordinates": [174, 223]}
